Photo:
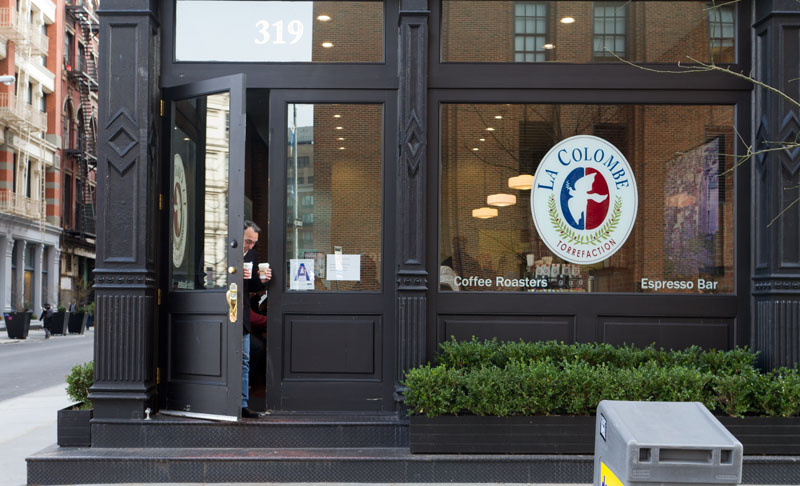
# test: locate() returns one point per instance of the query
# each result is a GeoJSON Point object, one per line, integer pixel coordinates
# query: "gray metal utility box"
{"type": "Point", "coordinates": [669, 443]}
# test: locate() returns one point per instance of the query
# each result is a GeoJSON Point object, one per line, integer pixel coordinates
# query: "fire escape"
{"type": "Point", "coordinates": [85, 76]}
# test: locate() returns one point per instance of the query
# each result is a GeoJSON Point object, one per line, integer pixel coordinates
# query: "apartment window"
{"type": "Point", "coordinates": [68, 42]}
{"type": "Point", "coordinates": [67, 200]}
{"type": "Point", "coordinates": [81, 58]}
{"type": "Point", "coordinates": [307, 200]}
{"type": "Point", "coordinates": [530, 31]}
{"type": "Point", "coordinates": [14, 176]}
{"type": "Point", "coordinates": [722, 32]}
{"type": "Point", "coordinates": [28, 183]}
{"type": "Point", "coordinates": [29, 94]}
{"type": "Point", "coordinates": [43, 103]}
{"type": "Point", "coordinates": [610, 19]}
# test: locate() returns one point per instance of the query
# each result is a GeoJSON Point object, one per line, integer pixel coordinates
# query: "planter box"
{"type": "Point", "coordinates": [57, 323]}
{"type": "Point", "coordinates": [74, 428]}
{"type": "Point", "coordinates": [76, 324]}
{"type": "Point", "coordinates": [553, 434]}
{"type": "Point", "coordinates": [18, 324]}
{"type": "Point", "coordinates": [560, 434]}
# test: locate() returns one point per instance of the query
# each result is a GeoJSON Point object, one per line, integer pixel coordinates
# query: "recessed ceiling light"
{"type": "Point", "coordinates": [327, 44]}
{"type": "Point", "coordinates": [482, 139]}
{"type": "Point", "coordinates": [549, 46]}
{"type": "Point", "coordinates": [568, 20]}
{"type": "Point", "coordinates": [498, 117]}
{"type": "Point", "coordinates": [186, 138]}
{"type": "Point", "coordinates": [337, 116]}
{"type": "Point", "coordinates": [324, 18]}
{"type": "Point", "coordinates": [340, 128]}
{"type": "Point", "coordinates": [341, 148]}
{"type": "Point", "coordinates": [341, 139]}
{"type": "Point", "coordinates": [490, 129]}
{"type": "Point", "coordinates": [474, 149]}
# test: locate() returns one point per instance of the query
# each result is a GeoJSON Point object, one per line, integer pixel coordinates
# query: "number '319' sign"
{"type": "Point", "coordinates": [275, 33]}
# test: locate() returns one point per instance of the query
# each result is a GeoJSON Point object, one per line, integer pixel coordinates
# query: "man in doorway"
{"type": "Point", "coordinates": [252, 283]}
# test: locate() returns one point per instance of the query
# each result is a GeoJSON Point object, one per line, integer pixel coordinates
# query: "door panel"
{"type": "Point", "coordinates": [205, 221]}
{"type": "Point", "coordinates": [331, 336]}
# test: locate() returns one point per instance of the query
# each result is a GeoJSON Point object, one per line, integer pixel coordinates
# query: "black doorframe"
{"type": "Point", "coordinates": [205, 395]}
{"type": "Point", "coordinates": [580, 315]}
{"type": "Point", "coordinates": [318, 391]}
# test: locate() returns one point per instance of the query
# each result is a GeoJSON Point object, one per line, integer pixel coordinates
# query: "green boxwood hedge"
{"type": "Point", "coordinates": [544, 378]}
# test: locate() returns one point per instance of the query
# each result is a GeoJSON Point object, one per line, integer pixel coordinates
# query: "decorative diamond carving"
{"type": "Point", "coordinates": [790, 131]}
{"type": "Point", "coordinates": [761, 141]}
{"type": "Point", "coordinates": [122, 142]}
{"type": "Point", "coordinates": [413, 143]}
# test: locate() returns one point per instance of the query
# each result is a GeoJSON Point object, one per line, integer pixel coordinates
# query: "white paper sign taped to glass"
{"type": "Point", "coordinates": [301, 274]}
{"type": "Point", "coordinates": [344, 267]}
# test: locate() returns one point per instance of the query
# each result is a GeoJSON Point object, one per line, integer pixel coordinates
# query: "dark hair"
{"type": "Point", "coordinates": [251, 224]}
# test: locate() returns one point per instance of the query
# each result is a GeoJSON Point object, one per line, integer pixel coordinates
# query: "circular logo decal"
{"type": "Point", "coordinates": [584, 199]}
{"type": "Point", "coordinates": [180, 213]}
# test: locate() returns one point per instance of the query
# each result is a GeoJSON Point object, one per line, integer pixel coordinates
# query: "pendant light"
{"type": "Point", "coordinates": [521, 182]}
{"type": "Point", "coordinates": [484, 213]}
{"type": "Point", "coordinates": [501, 200]}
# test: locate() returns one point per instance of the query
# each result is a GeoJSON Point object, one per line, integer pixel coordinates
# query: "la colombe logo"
{"type": "Point", "coordinates": [584, 199]}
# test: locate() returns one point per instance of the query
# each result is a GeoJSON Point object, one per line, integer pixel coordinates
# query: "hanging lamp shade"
{"type": "Point", "coordinates": [484, 213]}
{"type": "Point", "coordinates": [501, 200]}
{"type": "Point", "coordinates": [521, 182]}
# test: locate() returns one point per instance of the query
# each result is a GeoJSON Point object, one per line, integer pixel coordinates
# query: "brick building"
{"type": "Point", "coordinates": [48, 177]}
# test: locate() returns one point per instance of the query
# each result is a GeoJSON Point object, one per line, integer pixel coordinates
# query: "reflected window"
{"type": "Point", "coordinates": [682, 240]}
{"type": "Point", "coordinates": [722, 31]}
{"type": "Point", "coordinates": [530, 31]}
{"type": "Point", "coordinates": [610, 29]}
{"type": "Point", "coordinates": [334, 220]}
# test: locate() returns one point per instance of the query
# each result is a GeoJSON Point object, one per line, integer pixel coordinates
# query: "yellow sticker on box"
{"type": "Point", "coordinates": [607, 477]}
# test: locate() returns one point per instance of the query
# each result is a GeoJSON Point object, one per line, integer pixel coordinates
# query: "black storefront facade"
{"type": "Point", "coordinates": [165, 344]}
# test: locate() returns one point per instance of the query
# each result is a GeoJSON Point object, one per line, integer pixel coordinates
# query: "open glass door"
{"type": "Point", "coordinates": [204, 270]}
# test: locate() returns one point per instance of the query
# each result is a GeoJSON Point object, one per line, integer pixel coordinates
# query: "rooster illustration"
{"type": "Point", "coordinates": [579, 196]}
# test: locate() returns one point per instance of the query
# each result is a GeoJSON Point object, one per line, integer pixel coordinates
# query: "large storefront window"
{"type": "Point", "coordinates": [582, 32]}
{"type": "Point", "coordinates": [279, 31]}
{"type": "Point", "coordinates": [683, 234]}
{"type": "Point", "coordinates": [334, 197]}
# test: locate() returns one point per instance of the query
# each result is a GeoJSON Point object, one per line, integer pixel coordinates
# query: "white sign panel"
{"type": "Point", "coordinates": [344, 267]}
{"type": "Point", "coordinates": [256, 31]}
{"type": "Point", "coordinates": [584, 199]}
{"type": "Point", "coordinates": [301, 274]}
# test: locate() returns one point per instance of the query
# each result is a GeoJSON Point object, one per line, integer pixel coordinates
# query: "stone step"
{"type": "Point", "coordinates": [94, 465]}
{"type": "Point", "coordinates": [277, 430]}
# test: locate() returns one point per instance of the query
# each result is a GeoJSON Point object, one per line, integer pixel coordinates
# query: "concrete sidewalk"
{"type": "Point", "coordinates": [27, 424]}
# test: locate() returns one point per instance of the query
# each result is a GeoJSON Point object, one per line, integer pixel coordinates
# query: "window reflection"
{"type": "Point", "coordinates": [199, 195]}
{"type": "Point", "coordinates": [334, 197]}
{"type": "Point", "coordinates": [684, 226]}
{"type": "Point", "coordinates": [583, 32]}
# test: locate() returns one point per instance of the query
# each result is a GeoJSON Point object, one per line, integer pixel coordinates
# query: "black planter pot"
{"type": "Point", "coordinates": [74, 428]}
{"type": "Point", "coordinates": [558, 434]}
{"type": "Point", "coordinates": [17, 324]}
{"type": "Point", "coordinates": [76, 323]}
{"type": "Point", "coordinates": [57, 323]}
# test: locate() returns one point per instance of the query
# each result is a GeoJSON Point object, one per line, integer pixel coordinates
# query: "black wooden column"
{"type": "Point", "coordinates": [412, 278]}
{"type": "Point", "coordinates": [776, 257]}
{"type": "Point", "coordinates": [127, 204]}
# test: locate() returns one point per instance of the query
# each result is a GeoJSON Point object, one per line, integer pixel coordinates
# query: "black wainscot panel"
{"type": "Point", "coordinates": [667, 332]}
{"type": "Point", "coordinates": [507, 328]}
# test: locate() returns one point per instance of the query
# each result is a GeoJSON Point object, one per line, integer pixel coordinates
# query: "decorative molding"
{"type": "Point", "coordinates": [789, 132]}
{"type": "Point", "coordinates": [766, 285]}
{"type": "Point", "coordinates": [411, 280]}
{"type": "Point", "coordinates": [762, 134]}
{"type": "Point", "coordinates": [414, 142]}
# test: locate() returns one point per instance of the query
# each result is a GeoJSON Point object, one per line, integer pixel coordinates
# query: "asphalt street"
{"type": "Point", "coordinates": [35, 363]}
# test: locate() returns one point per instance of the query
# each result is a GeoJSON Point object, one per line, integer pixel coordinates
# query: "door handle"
{"type": "Point", "coordinates": [233, 298]}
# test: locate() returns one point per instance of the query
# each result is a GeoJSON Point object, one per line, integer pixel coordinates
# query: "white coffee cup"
{"type": "Point", "coordinates": [262, 270]}
{"type": "Point", "coordinates": [248, 269]}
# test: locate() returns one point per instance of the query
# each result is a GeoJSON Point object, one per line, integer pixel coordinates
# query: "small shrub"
{"type": "Point", "coordinates": [79, 380]}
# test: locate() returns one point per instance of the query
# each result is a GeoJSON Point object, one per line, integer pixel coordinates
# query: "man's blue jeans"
{"type": "Point", "coordinates": [245, 369]}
